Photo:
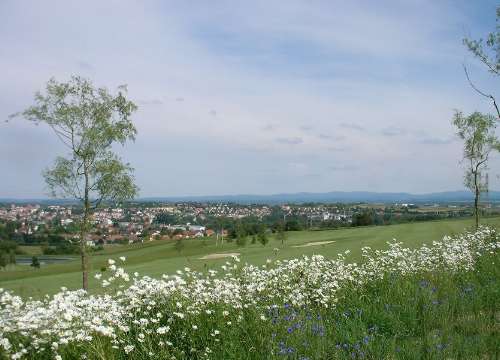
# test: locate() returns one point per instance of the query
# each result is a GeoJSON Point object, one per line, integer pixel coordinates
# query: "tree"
{"type": "Point", "coordinates": [477, 132]}
{"type": "Point", "coordinates": [488, 52]}
{"type": "Point", "coordinates": [293, 225]}
{"type": "Point", "coordinates": [241, 240]}
{"type": "Point", "coordinates": [262, 236]}
{"type": "Point", "coordinates": [35, 263]}
{"type": "Point", "coordinates": [364, 218]}
{"type": "Point", "coordinates": [12, 257]}
{"type": "Point", "coordinates": [7, 252]}
{"type": "Point", "coordinates": [88, 121]}
{"type": "Point", "coordinates": [280, 233]}
{"type": "Point", "coordinates": [179, 245]}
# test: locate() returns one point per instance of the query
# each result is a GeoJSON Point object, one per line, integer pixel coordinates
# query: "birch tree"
{"type": "Point", "coordinates": [88, 121]}
{"type": "Point", "coordinates": [478, 133]}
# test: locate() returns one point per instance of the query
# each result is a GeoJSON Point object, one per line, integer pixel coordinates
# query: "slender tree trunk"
{"type": "Point", "coordinates": [83, 240]}
{"type": "Point", "coordinates": [476, 208]}
{"type": "Point", "coordinates": [83, 254]}
{"type": "Point", "coordinates": [476, 200]}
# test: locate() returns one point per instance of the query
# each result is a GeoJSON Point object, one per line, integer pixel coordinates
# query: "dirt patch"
{"type": "Point", "coordinates": [218, 256]}
{"type": "Point", "coordinates": [317, 243]}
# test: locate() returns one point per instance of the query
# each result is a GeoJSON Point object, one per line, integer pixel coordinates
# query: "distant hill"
{"type": "Point", "coordinates": [303, 197]}
{"type": "Point", "coordinates": [335, 196]}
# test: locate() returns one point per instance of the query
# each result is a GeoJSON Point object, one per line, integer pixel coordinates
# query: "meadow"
{"type": "Point", "coordinates": [156, 258]}
{"type": "Point", "coordinates": [435, 301]}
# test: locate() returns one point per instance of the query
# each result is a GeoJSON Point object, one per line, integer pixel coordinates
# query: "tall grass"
{"type": "Point", "coordinates": [431, 303]}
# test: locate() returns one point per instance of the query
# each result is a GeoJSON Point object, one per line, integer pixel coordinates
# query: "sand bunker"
{"type": "Point", "coordinates": [218, 256]}
{"type": "Point", "coordinates": [317, 243]}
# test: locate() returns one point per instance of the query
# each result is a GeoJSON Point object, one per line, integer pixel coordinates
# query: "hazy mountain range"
{"type": "Point", "coordinates": [328, 197]}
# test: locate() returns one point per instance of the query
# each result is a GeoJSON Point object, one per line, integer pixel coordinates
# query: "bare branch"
{"type": "Point", "coordinates": [61, 135]}
{"type": "Point", "coordinates": [489, 96]}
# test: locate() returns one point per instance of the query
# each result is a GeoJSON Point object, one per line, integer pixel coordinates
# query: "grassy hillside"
{"type": "Point", "coordinates": [432, 302]}
{"type": "Point", "coordinates": [160, 257]}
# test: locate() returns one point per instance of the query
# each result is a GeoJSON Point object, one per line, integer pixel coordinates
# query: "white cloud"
{"type": "Point", "coordinates": [259, 81]}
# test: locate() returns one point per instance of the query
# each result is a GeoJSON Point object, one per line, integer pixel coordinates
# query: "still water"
{"type": "Point", "coordinates": [44, 260]}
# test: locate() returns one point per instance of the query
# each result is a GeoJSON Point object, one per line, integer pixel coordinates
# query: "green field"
{"type": "Point", "coordinates": [160, 257]}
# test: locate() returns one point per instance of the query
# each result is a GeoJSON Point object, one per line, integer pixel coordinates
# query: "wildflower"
{"type": "Point", "coordinates": [424, 283]}
{"type": "Point", "coordinates": [128, 348]}
{"type": "Point", "coordinates": [77, 317]}
{"type": "Point", "coordinates": [5, 343]}
{"type": "Point", "coordinates": [179, 315]}
{"type": "Point", "coordinates": [162, 330]}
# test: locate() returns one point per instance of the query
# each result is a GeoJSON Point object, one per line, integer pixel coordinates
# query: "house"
{"type": "Point", "coordinates": [209, 232]}
{"type": "Point", "coordinates": [66, 222]}
{"type": "Point", "coordinates": [196, 234]}
{"type": "Point", "coordinates": [196, 228]}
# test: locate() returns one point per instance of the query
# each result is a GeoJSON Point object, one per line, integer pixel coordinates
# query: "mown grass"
{"type": "Point", "coordinates": [160, 257]}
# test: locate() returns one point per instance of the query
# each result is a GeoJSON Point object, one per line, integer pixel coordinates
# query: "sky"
{"type": "Point", "coordinates": [254, 97]}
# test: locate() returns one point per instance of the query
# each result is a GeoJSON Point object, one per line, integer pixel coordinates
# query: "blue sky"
{"type": "Point", "coordinates": [254, 97]}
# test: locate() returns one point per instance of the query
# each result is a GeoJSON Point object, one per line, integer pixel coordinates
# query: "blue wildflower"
{"type": "Point", "coordinates": [424, 283]}
{"type": "Point", "coordinates": [468, 289]}
{"type": "Point", "coordinates": [440, 346]}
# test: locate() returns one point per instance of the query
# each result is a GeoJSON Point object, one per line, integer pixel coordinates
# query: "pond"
{"type": "Point", "coordinates": [44, 260]}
